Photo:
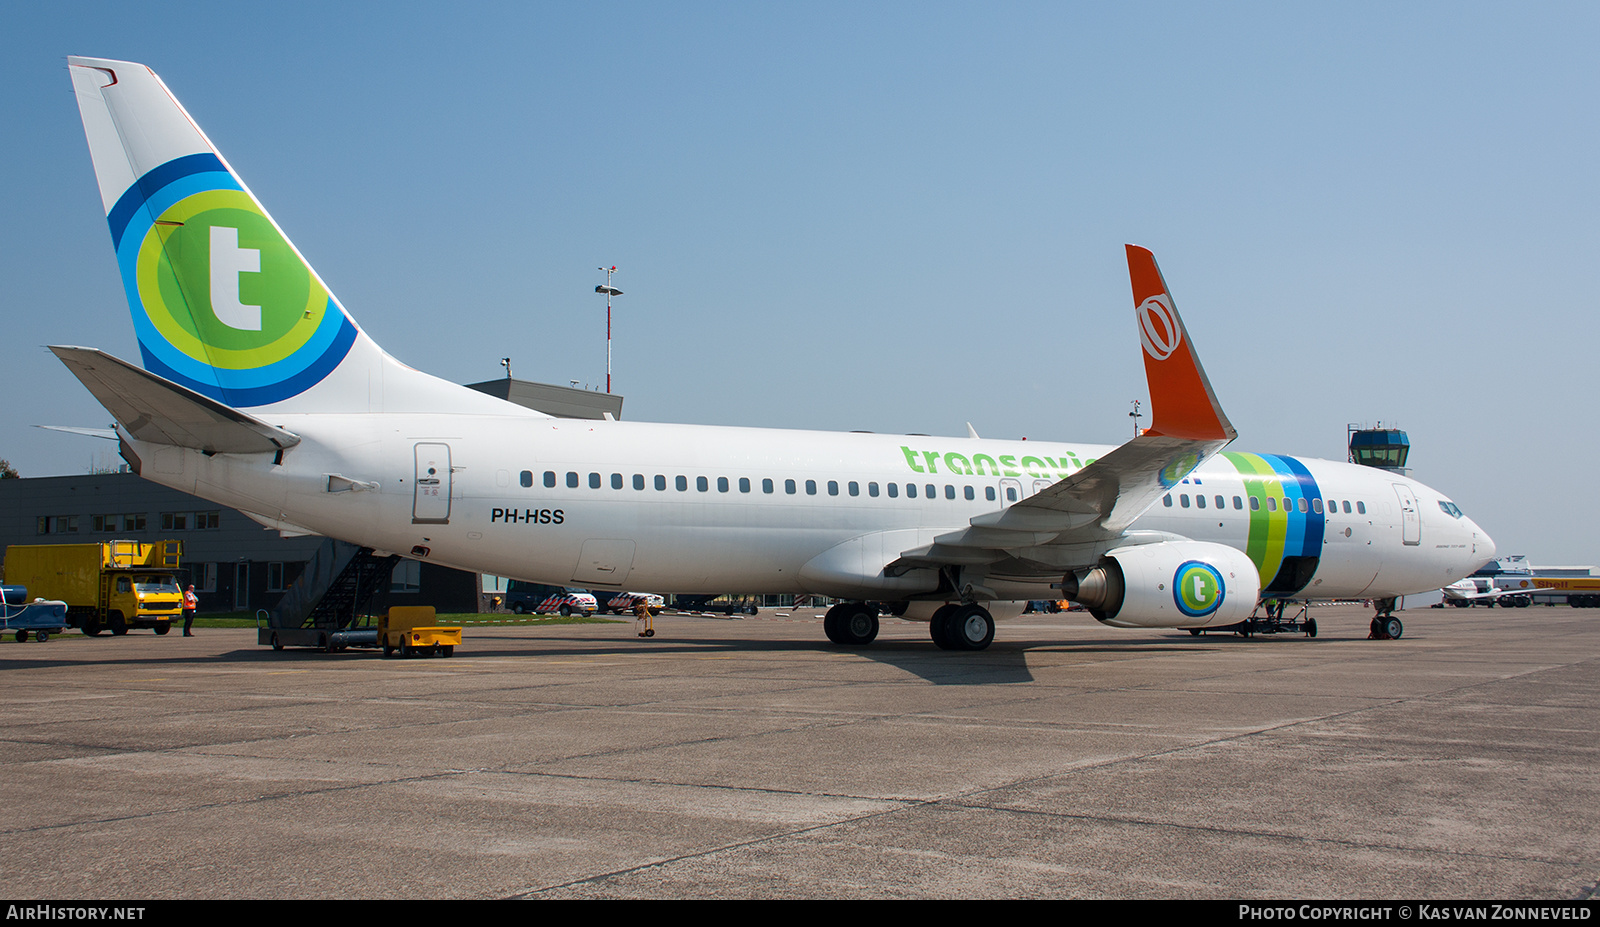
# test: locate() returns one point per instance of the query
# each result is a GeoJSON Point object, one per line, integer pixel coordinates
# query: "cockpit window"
{"type": "Point", "coordinates": [1450, 509]}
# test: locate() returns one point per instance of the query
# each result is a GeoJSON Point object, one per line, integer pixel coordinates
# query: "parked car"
{"type": "Point", "coordinates": [623, 603]}
{"type": "Point", "coordinates": [539, 599]}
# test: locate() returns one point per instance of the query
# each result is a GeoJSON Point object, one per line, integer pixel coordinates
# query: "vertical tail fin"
{"type": "Point", "coordinates": [222, 302]}
{"type": "Point", "coordinates": [1182, 404]}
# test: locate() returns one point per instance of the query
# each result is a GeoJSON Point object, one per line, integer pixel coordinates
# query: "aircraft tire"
{"type": "Point", "coordinates": [938, 627]}
{"type": "Point", "coordinates": [832, 622]}
{"type": "Point", "coordinates": [22, 636]}
{"type": "Point", "coordinates": [1393, 629]}
{"type": "Point", "coordinates": [41, 635]}
{"type": "Point", "coordinates": [970, 627]}
{"type": "Point", "coordinates": [276, 644]}
{"type": "Point", "coordinates": [858, 625]}
{"type": "Point", "coordinates": [1311, 627]}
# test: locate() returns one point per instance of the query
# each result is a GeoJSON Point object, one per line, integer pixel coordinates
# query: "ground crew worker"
{"type": "Point", "coordinates": [190, 603]}
{"type": "Point", "coordinates": [643, 621]}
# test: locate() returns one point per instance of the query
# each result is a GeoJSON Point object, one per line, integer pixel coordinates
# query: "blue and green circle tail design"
{"type": "Point", "coordinates": [221, 302]}
{"type": "Point", "coordinates": [1197, 588]}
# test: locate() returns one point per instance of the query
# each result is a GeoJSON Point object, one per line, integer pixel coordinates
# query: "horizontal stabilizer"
{"type": "Point", "coordinates": [109, 434]}
{"type": "Point", "coordinates": [159, 411]}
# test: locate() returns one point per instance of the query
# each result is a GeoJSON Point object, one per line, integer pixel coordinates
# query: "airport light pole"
{"type": "Point", "coordinates": [610, 291]}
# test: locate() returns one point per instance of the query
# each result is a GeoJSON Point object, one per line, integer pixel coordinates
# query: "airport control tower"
{"type": "Point", "coordinates": [1384, 448]}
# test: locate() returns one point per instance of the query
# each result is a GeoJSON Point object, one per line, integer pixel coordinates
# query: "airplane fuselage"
{"type": "Point", "coordinates": [674, 508]}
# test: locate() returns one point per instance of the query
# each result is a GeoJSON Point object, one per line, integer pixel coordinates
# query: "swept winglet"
{"type": "Point", "coordinates": [1182, 404]}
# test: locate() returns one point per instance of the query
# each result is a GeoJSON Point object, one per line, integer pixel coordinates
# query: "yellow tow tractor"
{"type": "Point", "coordinates": [410, 630]}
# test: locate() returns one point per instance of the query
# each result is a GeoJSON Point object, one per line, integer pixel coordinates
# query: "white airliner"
{"type": "Point", "coordinates": [258, 391]}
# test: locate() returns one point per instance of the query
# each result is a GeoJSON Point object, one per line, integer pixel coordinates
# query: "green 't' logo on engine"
{"type": "Point", "coordinates": [1197, 588]}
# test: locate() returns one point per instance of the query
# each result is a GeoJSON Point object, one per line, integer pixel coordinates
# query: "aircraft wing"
{"type": "Point", "coordinates": [1099, 502]}
{"type": "Point", "coordinates": [160, 411]}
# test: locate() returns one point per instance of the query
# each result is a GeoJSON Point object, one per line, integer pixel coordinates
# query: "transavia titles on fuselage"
{"type": "Point", "coordinates": [259, 391]}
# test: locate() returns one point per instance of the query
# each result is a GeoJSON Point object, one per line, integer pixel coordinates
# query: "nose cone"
{"type": "Point", "coordinates": [1482, 546]}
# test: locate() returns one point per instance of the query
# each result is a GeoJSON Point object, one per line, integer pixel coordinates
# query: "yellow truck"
{"type": "Point", "coordinates": [409, 629]}
{"type": "Point", "coordinates": [109, 586]}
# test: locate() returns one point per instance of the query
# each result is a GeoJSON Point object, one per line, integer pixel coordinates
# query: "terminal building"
{"type": "Point", "coordinates": [234, 563]}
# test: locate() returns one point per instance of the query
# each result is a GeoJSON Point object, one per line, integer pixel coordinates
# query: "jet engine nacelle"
{"type": "Point", "coordinates": [1172, 584]}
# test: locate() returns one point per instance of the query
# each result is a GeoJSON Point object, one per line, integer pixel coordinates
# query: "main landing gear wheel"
{"type": "Point", "coordinates": [851, 624]}
{"type": "Point", "coordinates": [962, 627]}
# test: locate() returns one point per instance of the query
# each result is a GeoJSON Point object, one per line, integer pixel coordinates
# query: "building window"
{"type": "Point", "coordinates": [275, 577]}
{"type": "Point", "coordinates": [135, 522]}
{"type": "Point", "coordinates": [174, 521]}
{"type": "Point", "coordinates": [205, 577]}
{"type": "Point", "coordinates": [105, 523]}
{"type": "Point", "coordinates": [204, 520]}
{"type": "Point", "coordinates": [407, 577]}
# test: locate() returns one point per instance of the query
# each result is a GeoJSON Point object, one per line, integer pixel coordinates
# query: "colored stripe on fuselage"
{"type": "Point", "coordinates": [1279, 528]}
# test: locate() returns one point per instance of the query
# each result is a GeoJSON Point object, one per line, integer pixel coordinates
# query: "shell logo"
{"type": "Point", "coordinates": [1158, 327]}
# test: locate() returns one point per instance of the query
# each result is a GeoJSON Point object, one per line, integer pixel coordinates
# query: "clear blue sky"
{"type": "Point", "coordinates": [893, 216]}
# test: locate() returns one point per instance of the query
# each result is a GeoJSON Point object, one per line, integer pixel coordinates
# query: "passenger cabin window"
{"type": "Point", "coordinates": [894, 490]}
{"type": "Point", "coordinates": [594, 481]}
{"type": "Point", "coordinates": [788, 486]}
{"type": "Point", "coordinates": [811, 487]}
{"type": "Point", "coordinates": [661, 483]}
{"type": "Point", "coordinates": [833, 487]}
{"type": "Point", "coordinates": [988, 493]}
{"type": "Point", "coordinates": [722, 484]}
{"type": "Point", "coordinates": [1011, 494]}
{"type": "Point", "coordinates": [1200, 502]}
{"type": "Point", "coordinates": [1272, 504]}
{"type": "Point", "coordinates": [1166, 500]}
{"type": "Point", "coordinates": [855, 488]}
{"type": "Point", "coordinates": [1361, 508]}
{"type": "Point", "coordinates": [527, 479]}
{"type": "Point", "coordinates": [550, 478]}
{"type": "Point", "coordinates": [967, 491]}
{"type": "Point", "coordinates": [911, 490]}
{"type": "Point", "coordinates": [1238, 503]}
{"type": "Point", "coordinates": [1183, 500]}
{"type": "Point", "coordinates": [1220, 503]}
{"type": "Point", "coordinates": [616, 481]}
{"type": "Point", "coordinates": [702, 484]}
{"type": "Point", "coordinates": [682, 482]}
{"type": "Point", "coordinates": [572, 480]}
{"type": "Point", "coordinates": [766, 486]}
{"type": "Point", "coordinates": [744, 484]}
{"type": "Point", "coordinates": [638, 481]}
{"type": "Point", "coordinates": [872, 490]}
{"type": "Point", "coordinates": [1346, 505]}
{"type": "Point", "coordinates": [1316, 506]}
